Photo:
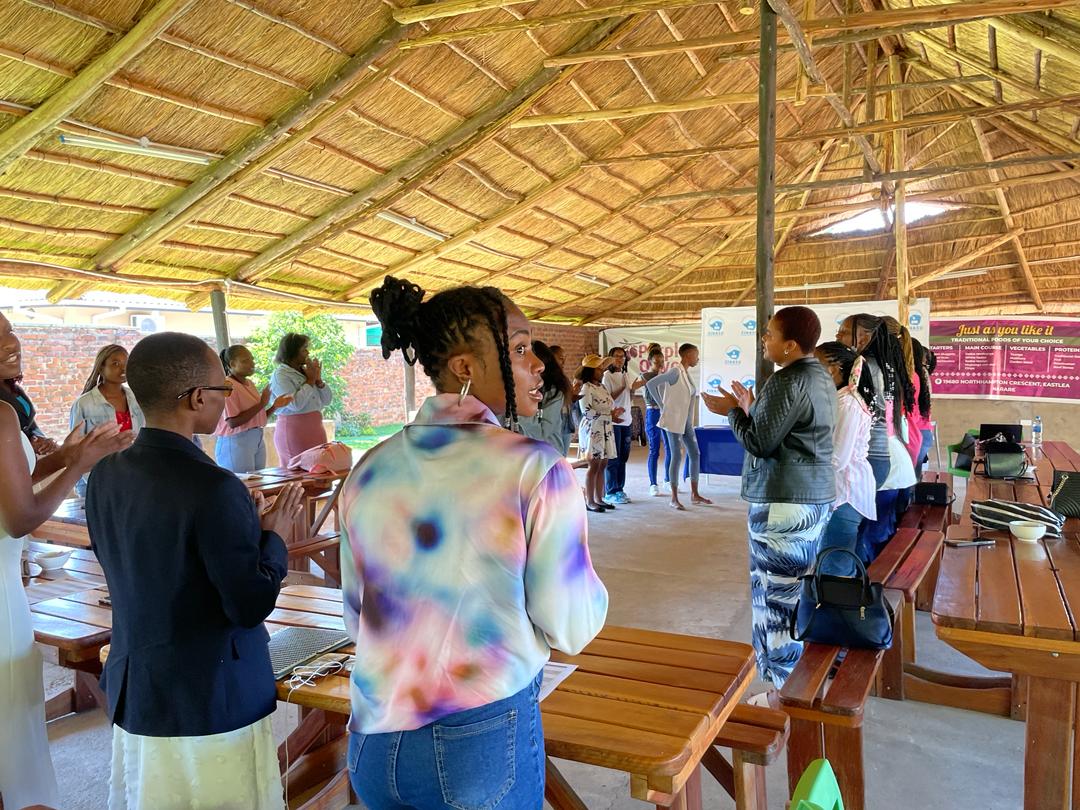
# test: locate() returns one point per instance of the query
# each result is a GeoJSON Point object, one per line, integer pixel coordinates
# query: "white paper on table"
{"type": "Point", "coordinates": [554, 674]}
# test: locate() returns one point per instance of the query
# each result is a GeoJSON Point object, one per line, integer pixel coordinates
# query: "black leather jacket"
{"type": "Point", "coordinates": [788, 437]}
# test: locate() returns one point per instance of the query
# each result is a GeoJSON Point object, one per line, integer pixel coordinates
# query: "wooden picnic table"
{"type": "Point", "coordinates": [1015, 607]}
{"type": "Point", "coordinates": [646, 703]}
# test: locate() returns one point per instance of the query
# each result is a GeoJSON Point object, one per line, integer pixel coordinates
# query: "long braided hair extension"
{"type": "Point", "coordinates": [884, 349]}
{"type": "Point", "coordinates": [922, 360]}
{"type": "Point", "coordinates": [844, 356]}
{"type": "Point", "coordinates": [432, 331]}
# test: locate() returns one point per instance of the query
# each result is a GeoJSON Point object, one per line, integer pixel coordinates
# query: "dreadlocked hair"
{"type": "Point", "coordinates": [901, 333]}
{"type": "Point", "coordinates": [432, 331]}
{"type": "Point", "coordinates": [885, 351]}
{"type": "Point", "coordinates": [922, 357]}
{"type": "Point", "coordinates": [838, 354]}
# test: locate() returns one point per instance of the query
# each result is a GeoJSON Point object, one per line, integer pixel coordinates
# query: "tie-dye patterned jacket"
{"type": "Point", "coordinates": [464, 561]}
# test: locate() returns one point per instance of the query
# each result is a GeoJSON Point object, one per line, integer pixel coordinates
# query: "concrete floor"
{"type": "Point", "coordinates": [687, 573]}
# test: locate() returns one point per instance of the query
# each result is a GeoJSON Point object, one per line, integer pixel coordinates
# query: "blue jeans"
{"type": "Point", "coordinates": [241, 452]}
{"type": "Point", "coordinates": [688, 438]}
{"type": "Point", "coordinates": [874, 534]}
{"type": "Point", "coordinates": [490, 758]}
{"type": "Point", "coordinates": [841, 532]}
{"type": "Point", "coordinates": [615, 472]}
{"type": "Point", "coordinates": [927, 443]}
{"type": "Point", "coordinates": [656, 435]}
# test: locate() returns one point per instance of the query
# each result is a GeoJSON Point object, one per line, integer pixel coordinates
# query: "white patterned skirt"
{"type": "Point", "coordinates": [236, 770]}
{"type": "Point", "coordinates": [596, 438]}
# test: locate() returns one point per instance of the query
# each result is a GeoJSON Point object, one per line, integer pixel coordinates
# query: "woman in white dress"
{"type": "Point", "coordinates": [26, 772]}
{"type": "Point", "coordinates": [596, 434]}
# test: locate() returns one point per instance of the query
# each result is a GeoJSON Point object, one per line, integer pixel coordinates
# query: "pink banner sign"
{"type": "Point", "coordinates": [1007, 358]}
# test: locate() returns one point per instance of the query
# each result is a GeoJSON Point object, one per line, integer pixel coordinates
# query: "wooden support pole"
{"type": "Point", "coordinates": [764, 274]}
{"type": "Point", "coordinates": [221, 318]}
{"type": "Point", "coordinates": [900, 194]}
{"type": "Point", "coordinates": [1007, 217]}
{"type": "Point", "coordinates": [182, 209]}
{"type": "Point", "coordinates": [964, 260]}
{"type": "Point", "coordinates": [886, 177]}
{"type": "Point", "coordinates": [24, 133]}
{"type": "Point", "coordinates": [1032, 38]}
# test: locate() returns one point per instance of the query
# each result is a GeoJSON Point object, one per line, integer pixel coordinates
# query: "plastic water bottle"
{"type": "Point", "coordinates": [1037, 432]}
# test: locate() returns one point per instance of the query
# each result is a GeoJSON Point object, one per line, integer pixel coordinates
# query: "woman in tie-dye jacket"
{"type": "Point", "coordinates": [465, 562]}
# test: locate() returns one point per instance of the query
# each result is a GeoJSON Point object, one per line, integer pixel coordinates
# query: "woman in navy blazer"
{"type": "Point", "coordinates": [192, 572]}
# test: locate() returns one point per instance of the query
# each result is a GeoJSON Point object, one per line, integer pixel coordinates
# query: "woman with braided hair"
{"type": "Point", "coordinates": [882, 352]}
{"type": "Point", "coordinates": [465, 563]}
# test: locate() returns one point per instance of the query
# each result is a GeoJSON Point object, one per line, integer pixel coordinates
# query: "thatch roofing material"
{"type": "Point", "coordinates": [537, 210]}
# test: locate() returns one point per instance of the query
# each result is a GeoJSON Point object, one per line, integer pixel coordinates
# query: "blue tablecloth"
{"type": "Point", "coordinates": [721, 454]}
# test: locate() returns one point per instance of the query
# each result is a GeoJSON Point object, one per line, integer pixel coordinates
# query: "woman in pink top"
{"type": "Point", "coordinates": [856, 489]}
{"type": "Point", "coordinates": [921, 417]}
{"type": "Point", "coordinates": [240, 444]}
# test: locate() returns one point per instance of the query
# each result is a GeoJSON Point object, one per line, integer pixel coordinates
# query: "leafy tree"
{"type": "Point", "coordinates": [328, 343]}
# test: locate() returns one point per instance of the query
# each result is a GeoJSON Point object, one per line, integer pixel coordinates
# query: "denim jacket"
{"type": "Point", "coordinates": [94, 409]}
{"type": "Point", "coordinates": [788, 437]}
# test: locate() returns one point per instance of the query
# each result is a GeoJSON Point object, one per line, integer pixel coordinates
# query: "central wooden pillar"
{"type": "Point", "coordinates": [766, 187]}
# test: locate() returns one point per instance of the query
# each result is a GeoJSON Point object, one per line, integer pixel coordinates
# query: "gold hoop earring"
{"type": "Point", "coordinates": [464, 390]}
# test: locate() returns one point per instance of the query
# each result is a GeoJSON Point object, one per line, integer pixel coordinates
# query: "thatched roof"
{"type": "Point", "coordinates": [327, 125]}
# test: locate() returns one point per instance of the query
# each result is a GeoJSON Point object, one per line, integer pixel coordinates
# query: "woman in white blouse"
{"type": "Point", "coordinates": [298, 375]}
{"type": "Point", "coordinates": [855, 486]}
{"type": "Point", "coordinates": [596, 438]}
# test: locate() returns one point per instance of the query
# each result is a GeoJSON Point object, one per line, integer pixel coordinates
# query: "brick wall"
{"type": "Point", "coordinates": [56, 362]}
{"type": "Point", "coordinates": [58, 359]}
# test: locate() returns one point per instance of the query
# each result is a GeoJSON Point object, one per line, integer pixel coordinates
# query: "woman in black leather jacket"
{"type": "Point", "coordinates": [787, 478]}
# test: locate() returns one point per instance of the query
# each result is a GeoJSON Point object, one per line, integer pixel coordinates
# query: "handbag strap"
{"type": "Point", "coordinates": [859, 566]}
{"type": "Point", "coordinates": [1061, 485]}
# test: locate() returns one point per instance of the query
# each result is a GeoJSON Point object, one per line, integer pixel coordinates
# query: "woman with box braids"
{"type": "Point", "coordinates": [464, 562]}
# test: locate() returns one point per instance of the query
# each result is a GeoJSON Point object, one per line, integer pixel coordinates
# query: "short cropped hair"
{"type": "Point", "coordinates": [290, 346]}
{"type": "Point", "coordinates": [163, 366]}
{"type": "Point", "coordinates": [800, 324]}
{"type": "Point", "coordinates": [686, 348]}
{"type": "Point", "coordinates": [613, 349]}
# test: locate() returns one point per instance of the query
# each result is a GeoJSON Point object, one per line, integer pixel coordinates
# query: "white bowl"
{"type": "Point", "coordinates": [52, 560]}
{"type": "Point", "coordinates": [1028, 530]}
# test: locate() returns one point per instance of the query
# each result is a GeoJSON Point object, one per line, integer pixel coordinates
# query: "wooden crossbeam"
{"type": "Point", "coordinates": [900, 233]}
{"type": "Point", "coordinates": [183, 208]}
{"type": "Point", "coordinates": [1007, 217]}
{"type": "Point", "coordinates": [885, 177]}
{"type": "Point", "coordinates": [922, 16]}
{"type": "Point", "coordinates": [918, 121]}
{"type": "Point", "coordinates": [966, 259]}
{"type": "Point", "coordinates": [18, 138]}
{"type": "Point", "coordinates": [1059, 47]}
{"type": "Point", "coordinates": [419, 167]}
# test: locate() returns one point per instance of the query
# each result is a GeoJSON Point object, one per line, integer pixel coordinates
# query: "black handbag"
{"type": "Point", "coordinates": [965, 452]}
{"type": "Point", "coordinates": [1065, 494]}
{"type": "Point", "coordinates": [931, 492]}
{"type": "Point", "coordinates": [1004, 459]}
{"type": "Point", "coordinates": [842, 611]}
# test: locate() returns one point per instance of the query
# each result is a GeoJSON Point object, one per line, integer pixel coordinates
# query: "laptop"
{"type": "Point", "coordinates": [293, 646]}
{"type": "Point", "coordinates": [1012, 433]}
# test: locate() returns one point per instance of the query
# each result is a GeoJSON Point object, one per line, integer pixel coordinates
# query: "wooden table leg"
{"type": "Point", "coordinates": [88, 693]}
{"type": "Point", "coordinates": [557, 790]}
{"type": "Point", "coordinates": [749, 784]}
{"type": "Point", "coordinates": [844, 750]}
{"type": "Point", "coordinates": [805, 744]}
{"type": "Point", "coordinates": [689, 798]}
{"type": "Point", "coordinates": [1048, 761]}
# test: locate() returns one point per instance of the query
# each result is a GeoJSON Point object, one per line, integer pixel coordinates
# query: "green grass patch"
{"type": "Point", "coordinates": [367, 441]}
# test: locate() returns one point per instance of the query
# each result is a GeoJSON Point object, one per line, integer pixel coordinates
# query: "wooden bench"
{"type": "Point", "coordinates": [827, 715]}
{"type": "Point", "coordinates": [756, 735]}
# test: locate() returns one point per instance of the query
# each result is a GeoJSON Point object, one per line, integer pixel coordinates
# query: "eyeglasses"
{"type": "Point", "coordinates": [226, 389]}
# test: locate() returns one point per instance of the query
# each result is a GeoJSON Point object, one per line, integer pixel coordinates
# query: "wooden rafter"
{"type": "Point", "coordinates": [1007, 217]}
{"type": "Point", "coordinates": [18, 138]}
{"type": "Point", "coordinates": [921, 16]}
{"type": "Point", "coordinates": [899, 216]}
{"type": "Point", "coordinates": [199, 195]}
{"type": "Point", "coordinates": [425, 163]}
{"type": "Point", "coordinates": [964, 260]}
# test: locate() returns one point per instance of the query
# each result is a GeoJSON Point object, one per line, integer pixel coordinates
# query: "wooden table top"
{"type": "Point", "coordinates": [646, 703]}
{"type": "Point", "coordinates": [1014, 588]}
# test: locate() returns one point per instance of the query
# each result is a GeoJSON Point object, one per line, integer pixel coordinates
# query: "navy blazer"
{"type": "Point", "coordinates": [192, 576]}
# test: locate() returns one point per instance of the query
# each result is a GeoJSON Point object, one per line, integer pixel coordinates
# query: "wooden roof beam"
{"type": "Point", "coordinates": [966, 259]}
{"type": "Point", "coordinates": [419, 167]}
{"type": "Point", "coordinates": [18, 138]}
{"type": "Point", "coordinates": [226, 175]}
{"type": "Point", "coordinates": [885, 177]}
{"type": "Point", "coordinates": [919, 17]}
{"type": "Point", "coordinates": [1007, 217]}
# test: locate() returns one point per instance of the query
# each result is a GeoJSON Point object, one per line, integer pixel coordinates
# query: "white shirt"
{"type": "Point", "coordinates": [612, 380]}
